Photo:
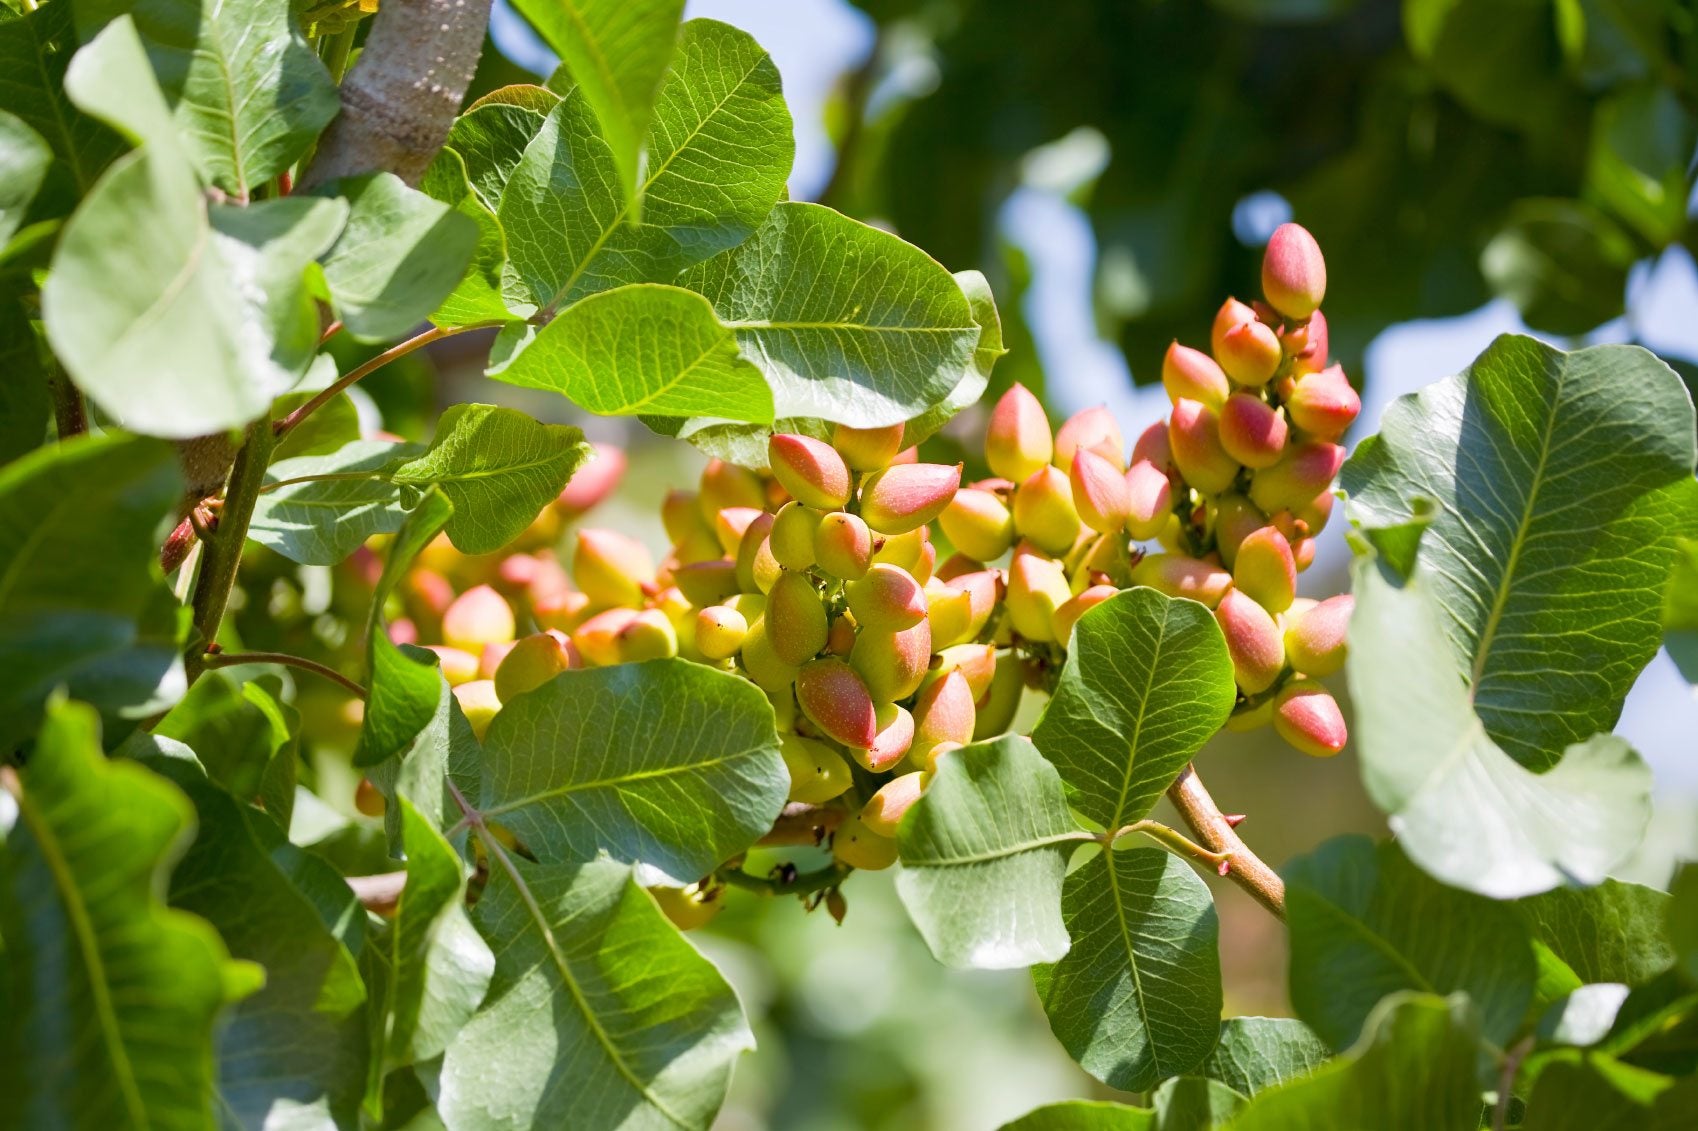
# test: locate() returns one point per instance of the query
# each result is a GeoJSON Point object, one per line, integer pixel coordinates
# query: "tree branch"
{"type": "Point", "coordinates": [223, 550]}
{"type": "Point", "coordinates": [1210, 826]}
{"type": "Point", "coordinates": [404, 91]}
{"type": "Point", "coordinates": [234, 659]}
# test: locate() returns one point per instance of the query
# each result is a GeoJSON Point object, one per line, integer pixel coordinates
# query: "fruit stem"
{"type": "Point", "coordinates": [223, 546]}
{"type": "Point", "coordinates": [1171, 839]}
{"type": "Point", "coordinates": [786, 881]}
{"type": "Point", "coordinates": [231, 659]}
{"type": "Point", "coordinates": [1210, 826]}
{"type": "Point", "coordinates": [435, 333]}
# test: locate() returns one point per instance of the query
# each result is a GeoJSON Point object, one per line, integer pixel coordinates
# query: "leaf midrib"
{"type": "Point", "coordinates": [614, 783]}
{"type": "Point", "coordinates": [1074, 836]}
{"type": "Point", "coordinates": [1132, 961]}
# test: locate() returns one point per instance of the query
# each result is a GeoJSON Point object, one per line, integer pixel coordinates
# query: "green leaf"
{"type": "Point", "coordinates": [298, 1045]}
{"type": "Point", "coordinates": [1586, 1092]}
{"type": "Point", "coordinates": [492, 136]}
{"type": "Point", "coordinates": [1642, 140]}
{"type": "Point", "coordinates": [115, 993]}
{"type": "Point", "coordinates": [983, 853]}
{"type": "Point", "coordinates": [24, 161]}
{"type": "Point", "coordinates": [849, 323]}
{"type": "Point", "coordinates": [1183, 1104]}
{"type": "Point", "coordinates": [332, 424]}
{"type": "Point", "coordinates": [1258, 1052]}
{"type": "Point", "coordinates": [1682, 922]}
{"type": "Point", "coordinates": [1562, 480]}
{"type": "Point", "coordinates": [247, 735]}
{"type": "Point", "coordinates": [1366, 923]}
{"type": "Point", "coordinates": [1147, 682]}
{"type": "Point", "coordinates": [1610, 933]}
{"type": "Point", "coordinates": [322, 521]}
{"type": "Point", "coordinates": [667, 762]}
{"type": "Point", "coordinates": [643, 349]}
{"type": "Point", "coordinates": [976, 380]}
{"type": "Point", "coordinates": [1084, 1115]}
{"type": "Point", "coordinates": [477, 297]}
{"type": "Point", "coordinates": [618, 53]}
{"type": "Point", "coordinates": [26, 407]}
{"type": "Point", "coordinates": [1462, 808]}
{"type": "Point", "coordinates": [400, 256]}
{"type": "Point", "coordinates": [35, 49]}
{"type": "Point", "coordinates": [499, 468]}
{"type": "Point", "coordinates": [1413, 1070]}
{"type": "Point", "coordinates": [1562, 262]}
{"type": "Point", "coordinates": [82, 603]}
{"type": "Point", "coordinates": [599, 1015]}
{"type": "Point", "coordinates": [247, 92]}
{"type": "Point", "coordinates": [1137, 999]}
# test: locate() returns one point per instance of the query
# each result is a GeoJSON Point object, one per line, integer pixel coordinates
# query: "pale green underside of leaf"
{"type": "Point", "coordinates": [322, 522]}
{"type": "Point", "coordinates": [973, 383]}
{"type": "Point", "coordinates": [1614, 932]}
{"type": "Point", "coordinates": [1258, 1052]}
{"type": "Point", "coordinates": [1137, 999]}
{"type": "Point", "coordinates": [1462, 808]}
{"type": "Point", "coordinates": [24, 161]}
{"type": "Point", "coordinates": [983, 853]}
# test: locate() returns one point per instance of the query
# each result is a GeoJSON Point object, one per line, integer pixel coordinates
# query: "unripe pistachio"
{"type": "Point", "coordinates": [1303, 472]}
{"type": "Point", "coordinates": [757, 569]}
{"type": "Point", "coordinates": [892, 664]}
{"type": "Point", "coordinates": [982, 589]}
{"type": "Point", "coordinates": [1253, 641]}
{"type": "Point", "coordinates": [1044, 511]}
{"type": "Point", "coordinates": [950, 612]}
{"type": "Point", "coordinates": [698, 546]}
{"type": "Point", "coordinates": [901, 549]}
{"type": "Point", "coordinates": [727, 485]}
{"type": "Point", "coordinates": [1317, 638]}
{"type": "Point", "coordinates": [1017, 439]}
{"type": "Point", "coordinates": [840, 637]}
{"type": "Point", "coordinates": [458, 666]}
{"type": "Point", "coordinates": [1100, 494]}
{"type": "Point", "coordinates": [1309, 719]}
{"type": "Point", "coordinates": [532, 662]}
{"type": "Point", "coordinates": [648, 636]}
{"type": "Point", "coordinates": [867, 449]}
{"type": "Point", "coordinates": [978, 524]}
{"type": "Point", "coordinates": [1171, 537]}
{"type": "Point", "coordinates": [610, 568]}
{"type": "Point", "coordinates": [1307, 346]}
{"type": "Point", "coordinates": [477, 617]}
{"type": "Point", "coordinates": [1036, 589]}
{"type": "Point", "coordinates": [927, 562]}
{"type": "Point", "coordinates": [995, 710]}
{"type": "Point", "coordinates": [817, 772]}
{"type": "Point", "coordinates": [975, 662]}
{"type": "Point", "coordinates": [562, 612]}
{"type": "Point", "coordinates": [706, 583]}
{"type": "Point", "coordinates": [1294, 273]}
{"type": "Point", "coordinates": [1077, 606]}
{"type": "Point", "coordinates": [796, 621]}
{"type": "Point", "coordinates": [843, 546]}
{"type": "Point", "coordinates": [368, 799]}
{"type": "Point", "coordinates": [1093, 430]}
{"type": "Point", "coordinates": [957, 565]}
{"type": "Point", "coordinates": [1252, 431]}
{"type": "Point", "coordinates": [907, 455]}
{"type": "Point", "coordinates": [1193, 375]}
{"type": "Point", "coordinates": [688, 908]}
{"type": "Point", "coordinates": [1235, 519]}
{"type": "Point", "coordinates": [403, 631]}
{"type": "Point", "coordinates": [491, 656]}
{"type": "Point", "coordinates": [1315, 514]}
{"type": "Point", "coordinates": [784, 712]}
{"type": "Point", "coordinates": [1255, 718]}
{"type": "Point", "coordinates": [1231, 315]}
{"type": "Point", "coordinates": [1266, 570]}
{"type": "Point", "coordinates": [597, 639]}
{"type": "Point", "coordinates": [428, 594]}
{"type": "Point", "coordinates": [895, 736]}
{"type": "Point", "coordinates": [1154, 447]}
{"type": "Point", "coordinates": [1250, 353]}
{"type": "Point", "coordinates": [904, 497]}
{"type": "Point", "coordinates": [680, 515]}
{"type": "Point", "coordinates": [770, 673]}
{"type": "Point", "coordinates": [731, 523]}
{"type": "Point", "coordinates": [1193, 430]}
{"type": "Point", "coordinates": [836, 701]}
{"type": "Point", "coordinates": [1303, 553]}
{"type": "Point", "coordinates": [479, 703]}
{"type": "Point", "coordinates": [592, 482]}
{"type": "Point", "coordinates": [860, 847]}
{"type": "Point", "coordinates": [794, 530]}
{"type": "Point", "coordinates": [1149, 498]}
{"type": "Point", "coordinates": [883, 810]}
{"type": "Point", "coordinates": [720, 632]}
{"type": "Point", "coordinates": [943, 712]}
{"type": "Point", "coordinates": [1179, 576]}
{"type": "Point", "coordinates": [1323, 404]}
{"type": "Point", "coordinates": [810, 469]}
{"type": "Point", "coordinates": [751, 605]}
{"type": "Point", "coordinates": [887, 598]}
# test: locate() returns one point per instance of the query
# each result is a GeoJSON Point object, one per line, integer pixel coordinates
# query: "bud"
{"type": "Point", "coordinates": [479, 703]}
{"type": "Point", "coordinates": [592, 482]}
{"type": "Point", "coordinates": [1305, 471]}
{"type": "Point", "coordinates": [887, 598]}
{"type": "Point", "coordinates": [942, 713]}
{"type": "Point", "coordinates": [1153, 447]}
{"type": "Point", "coordinates": [770, 673]}
{"type": "Point", "coordinates": [796, 622]}
{"type": "Point", "coordinates": [610, 568]}
{"type": "Point", "coordinates": [1077, 606]}
{"type": "Point", "coordinates": [895, 736]}
{"type": "Point", "coordinates": [843, 546]}
{"type": "Point", "coordinates": [731, 523]}
{"type": "Point", "coordinates": [1017, 439]}
{"type": "Point", "coordinates": [1323, 404]}
{"type": "Point", "coordinates": [950, 613]}
{"type": "Point", "coordinates": [810, 469]}
{"type": "Point", "coordinates": [1193, 375]}
{"type": "Point", "coordinates": [817, 772]}
{"type": "Point", "coordinates": [532, 662]}
{"type": "Point", "coordinates": [1252, 640]}
{"type": "Point", "coordinates": [1235, 519]}
{"type": "Point", "coordinates": [720, 632]}
{"type": "Point", "coordinates": [1231, 315]}
{"type": "Point", "coordinates": [903, 497]}
{"type": "Point", "coordinates": [1308, 718]}
{"type": "Point", "coordinates": [794, 529]}
{"type": "Point", "coordinates": [978, 524]}
{"type": "Point", "coordinates": [458, 666]}
{"type": "Point", "coordinates": [1294, 274]}
{"type": "Point", "coordinates": [1149, 497]}
{"type": "Point", "coordinates": [975, 662]}
{"type": "Point", "coordinates": [836, 701]}
{"type": "Point", "coordinates": [1193, 431]}
{"type": "Point", "coordinates": [1250, 353]}
{"type": "Point", "coordinates": [995, 710]}
{"type": "Point", "coordinates": [1179, 576]}
{"type": "Point", "coordinates": [860, 847]}
{"type": "Point", "coordinates": [1252, 431]}
{"type": "Point", "coordinates": [1316, 639]}
{"type": "Point", "coordinates": [706, 583]}
{"type": "Point", "coordinates": [883, 811]}
{"type": "Point", "coordinates": [902, 550]}
{"type": "Point", "coordinates": [757, 569]}
{"type": "Point", "coordinates": [1266, 570]}
{"type": "Point", "coordinates": [1037, 587]}
{"type": "Point", "coordinates": [1091, 430]}
{"type": "Point", "coordinates": [727, 485]}
{"type": "Point", "coordinates": [892, 664]}
{"type": "Point", "coordinates": [981, 588]}
{"type": "Point", "coordinates": [688, 908]}
{"type": "Point", "coordinates": [477, 617]}
{"type": "Point", "coordinates": [1044, 511]}
{"type": "Point", "coordinates": [867, 449]}
{"type": "Point", "coordinates": [680, 515]}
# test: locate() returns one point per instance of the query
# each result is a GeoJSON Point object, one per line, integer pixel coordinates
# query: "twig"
{"type": "Point", "coordinates": [365, 369]}
{"type": "Point", "coordinates": [1215, 830]}
{"type": "Point", "coordinates": [70, 412]}
{"type": "Point", "coordinates": [1172, 840]}
{"type": "Point", "coordinates": [1506, 1081]}
{"type": "Point", "coordinates": [326, 477]}
{"type": "Point", "coordinates": [224, 549]}
{"type": "Point", "coordinates": [232, 659]}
